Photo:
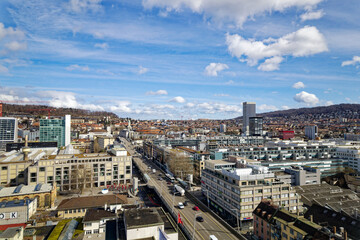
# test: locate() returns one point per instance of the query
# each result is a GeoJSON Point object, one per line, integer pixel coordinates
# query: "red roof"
{"type": "Point", "coordinates": [4, 227]}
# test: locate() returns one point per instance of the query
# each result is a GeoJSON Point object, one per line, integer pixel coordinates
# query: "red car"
{"type": "Point", "coordinates": [196, 208]}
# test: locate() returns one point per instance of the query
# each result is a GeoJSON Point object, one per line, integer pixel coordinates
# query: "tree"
{"type": "Point", "coordinates": [179, 163]}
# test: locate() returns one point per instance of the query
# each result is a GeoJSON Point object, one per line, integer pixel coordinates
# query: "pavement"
{"type": "Point", "coordinates": [200, 230]}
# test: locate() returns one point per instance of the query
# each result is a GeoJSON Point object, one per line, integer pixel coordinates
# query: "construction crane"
{"type": "Point", "coordinates": [18, 101]}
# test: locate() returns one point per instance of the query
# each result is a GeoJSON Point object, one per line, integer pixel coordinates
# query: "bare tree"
{"type": "Point", "coordinates": [179, 163]}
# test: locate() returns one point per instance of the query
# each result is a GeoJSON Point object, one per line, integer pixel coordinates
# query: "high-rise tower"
{"type": "Point", "coordinates": [249, 110]}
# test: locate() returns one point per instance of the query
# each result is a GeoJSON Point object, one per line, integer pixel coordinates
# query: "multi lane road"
{"type": "Point", "coordinates": [200, 230]}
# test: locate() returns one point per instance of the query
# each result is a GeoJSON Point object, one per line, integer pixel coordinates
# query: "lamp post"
{"type": "Point", "coordinates": [237, 218]}
{"type": "Point", "coordinates": [193, 237]}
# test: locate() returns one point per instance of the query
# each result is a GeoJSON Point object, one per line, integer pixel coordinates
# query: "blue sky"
{"type": "Point", "coordinates": [177, 59]}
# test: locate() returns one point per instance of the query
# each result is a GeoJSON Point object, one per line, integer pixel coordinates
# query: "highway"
{"type": "Point", "coordinates": [203, 230]}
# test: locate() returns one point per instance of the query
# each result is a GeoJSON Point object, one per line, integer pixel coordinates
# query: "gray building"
{"type": "Point", "coordinates": [255, 126]}
{"type": "Point", "coordinates": [17, 211]}
{"type": "Point", "coordinates": [299, 176]}
{"type": "Point", "coordinates": [249, 110]}
{"type": "Point", "coordinates": [8, 131]}
{"type": "Point", "coordinates": [311, 132]}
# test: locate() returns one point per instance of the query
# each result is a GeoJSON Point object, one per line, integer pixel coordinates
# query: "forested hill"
{"type": "Point", "coordinates": [17, 110]}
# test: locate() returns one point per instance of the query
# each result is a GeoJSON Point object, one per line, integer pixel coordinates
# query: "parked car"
{"type": "Point", "coordinates": [181, 205]}
{"type": "Point", "coordinates": [199, 219]}
{"type": "Point", "coordinates": [185, 203]}
{"type": "Point", "coordinates": [196, 208]}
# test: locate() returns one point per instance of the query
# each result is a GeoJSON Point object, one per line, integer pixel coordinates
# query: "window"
{"type": "Point", "coordinates": [292, 231]}
{"type": "Point", "coordinates": [66, 212]}
{"type": "Point", "coordinates": [88, 232]}
{"type": "Point", "coordinates": [33, 174]}
{"type": "Point", "coordinates": [3, 168]}
{"type": "Point", "coordinates": [42, 169]}
{"type": "Point", "coordinates": [87, 224]}
{"type": "Point", "coordinates": [96, 230]}
{"type": "Point", "coordinates": [284, 236]}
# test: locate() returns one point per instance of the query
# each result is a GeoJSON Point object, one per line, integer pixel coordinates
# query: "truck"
{"type": "Point", "coordinates": [179, 189]}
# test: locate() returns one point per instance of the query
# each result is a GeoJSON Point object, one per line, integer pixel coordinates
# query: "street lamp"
{"type": "Point", "coordinates": [237, 218]}
{"type": "Point", "coordinates": [193, 237]}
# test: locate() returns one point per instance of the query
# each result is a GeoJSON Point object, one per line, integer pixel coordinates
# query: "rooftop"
{"type": "Point", "coordinates": [136, 218]}
{"type": "Point", "coordinates": [91, 202]}
{"type": "Point", "coordinates": [10, 232]}
{"type": "Point", "coordinates": [98, 214]}
{"type": "Point", "coordinates": [25, 189]}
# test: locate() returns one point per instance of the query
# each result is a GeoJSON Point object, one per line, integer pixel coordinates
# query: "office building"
{"type": "Point", "coordinates": [286, 135]}
{"type": "Point", "coordinates": [222, 128]}
{"type": "Point", "coordinates": [299, 176]}
{"type": "Point", "coordinates": [311, 132]}
{"type": "Point", "coordinates": [255, 126]}
{"type": "Point", "coordinates": [17, 211]}
{"type": "Point", "coordinates": [234, 190]}
{"type": "Point", "coordinates": [8, 131]}
{"type": "Point", "coordinates": [56, 130]}
{"type": "Point", "coordinates": [249, 110]}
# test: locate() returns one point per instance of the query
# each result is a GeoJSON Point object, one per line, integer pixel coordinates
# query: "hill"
{"type": "Point", "coordinates": [19, 110]}
{"type": "Point", "coordinates": [339, 110]}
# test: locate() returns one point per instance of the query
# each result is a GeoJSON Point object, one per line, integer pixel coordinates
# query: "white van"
{"type": "Point", "coordinates": [212, 237]}
{"type": "Point", "coordinates": [181, 205]}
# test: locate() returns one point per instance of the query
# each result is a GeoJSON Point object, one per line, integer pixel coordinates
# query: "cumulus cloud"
{"type": "Point", "coordinates": [298, 85]}
{"type": "Point", "coordinates": [77, 67]}
{"type": "Point", "coordinates": [16, 46]}
{"type": "Point", "coordinates": [213, 108]}
{"type": "Point", "coordinates": [102, 45]}
{"type": "Point", "coordinates": [158, 92]}
{"type": "Point", "coordinates": [79, 6]}
{"type": "Point", "coordinates": [121, 106]}
{"type": "Point", "coordinates": [307, 98]}
{"type": "Point", "coordinates": [304, 42]}
{"type": "Point", "coordinates": [178, 99]}
{"type": "Point", "coordinates": [265, 107]}
{"type": "Point", "coordinates": [213, 68]}
{"type": "Point", "coordinates": [189, 105]}
{"type": "Point", "coordinates": [311, 15]}
{"type": "Point", "coordinates": [329, 103]}
{"type": "Point", "coordinates": [237, 11]}
{"type": "Point", "coordinates": [285, 107]}
{"type": "Point", "coordinates": [355, 61]}
{"type": "Point", "coordinates": [142, 70]}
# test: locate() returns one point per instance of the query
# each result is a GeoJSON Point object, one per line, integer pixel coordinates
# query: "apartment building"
{"type": "Point", "coordinates": [232, 190]}
{"type": "Point", "coordinates": [77, 171]}
{"type": "Point", "coordinates": [8, 131]}
{"type": "Point", "coordinates": [351, 154]}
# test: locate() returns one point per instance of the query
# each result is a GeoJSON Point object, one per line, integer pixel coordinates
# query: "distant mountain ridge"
{"type": "Point", "coordinates": [16, 110]}
{"type": "Point", "coordinates": [344, 110]}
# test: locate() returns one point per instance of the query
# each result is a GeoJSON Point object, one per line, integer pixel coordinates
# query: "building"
{"type": "Point", "coordinates": [286, 135]}
{"type": "Point", "coordinates": [311, 132]}
{"type": "Point", "coordinates": [13, 233]}
{"type": "Point", "coordinates": [255, 126]}
{"type": "Point", "coordinates": [95, 221]}
{"type": "Point", "coordinates": [272, 222]}
{"type": "Point", "coordinates": [232, 189]}
{"type": "Point", "coordinates": [44, 193]}
{"type": "Point", "coordinates": [249, 110]}
{"type": "Point", "coordinates": [148, 223]}
{"type": "Point", "coordinates": [8, 131]}
{"type": "Point", "coordinates": [39, 233]}
{"type": "Point", "coordinates": [78, 207]}
{"type": "Point", "coordinates": [222, 128]}
{"type": "Point", "coordinates": [56, 130]}
{"type": "Point", "coordinates": [78, 171]}
{"type": "Point", "coordinates": [299, 176]}
{"type": "Point", "coordinates": [351, 154]}
{"type": "Point", "coordinates": [17, 211]}
{"type": "Point", "coordinates": [103, 142]}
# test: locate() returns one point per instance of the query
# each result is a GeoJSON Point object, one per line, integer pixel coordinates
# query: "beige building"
{"type": "Point", "coordinates": [80, 171]}
{"type": "Point", "coordinates": [235, 191]}
{"type": "Point", "coordinates": [104, 141]}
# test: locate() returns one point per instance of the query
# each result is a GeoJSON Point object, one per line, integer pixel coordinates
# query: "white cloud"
{"type": "Point", "coordinates": [312, 15]}
{"type": "Point", "coordinates": [304, 42]}
{"type": "Point", "coordinates": [230, 82]}
{"type": "Point", "coordinates": [121, 106]}
{"type": "Point", "coordinates": [158, 92]}
{"type": "Point", "coordinates": [237, 11]}
{"type": "Point", "coordinates": [10, 32]}
{"type": "Point", "coordinates": [79, 6]}
{"type": "Point", "coordinates": [3, 69]}
{"type": "Point", "coordinates": [77, 67]}
{"type": "Point", "coordinates": [221, 95]}
{"type": "Point", "coordinates": [307, 98]}
{"type": "Point", "coordinates": [355, 61]}
{"type": "Point", "coordinates": [298, 85]}
{"type": "Point", "coordinates": [178, 99]}
{"type": "Point", "coordinates": [142, 70]}
{"type": "Point", "coordinates": [102, 45]}
{"type": "Point", "coordinates": [213, 108]}
{"type": "Point", "coordinates": [16, 46]}
{"type": "Point", "coordinates": [285, 107]}
{"type": "Point", "coordinates": [265, 107]}
{"type": "Point", "coordinates": [213, 68]}
{"type": "Point", "coordinates": [190, 105]}
{"type": "Point", "coordinates": [329, 103]}
{"type": "Point", "coordinates": [271, 64]}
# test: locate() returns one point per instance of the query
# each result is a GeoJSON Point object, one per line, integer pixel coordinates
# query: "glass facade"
{"type": "Point", "coordinates": [8, 129]}
{"type": "Point", "coordinates": [52, 130]}
{"type": "Point", "coordinates": [255, 126]}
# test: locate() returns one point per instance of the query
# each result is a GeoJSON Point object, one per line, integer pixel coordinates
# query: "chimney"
{"type": "Point", "coordinates": [334, 227]}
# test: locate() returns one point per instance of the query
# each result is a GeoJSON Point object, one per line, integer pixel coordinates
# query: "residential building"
{"type": "Point", "coordinates": [222, 128]}
{"type": "Point", "coordinates": [13, 233]}
{"type": "Point", "coordinates": [299, 176]}
{"type": "Point", "coordinates": [78, 207]}
{"type": "Point", "coordinates": [39, 233]}
{"type": "Point", "coordinates": [350, 154]}
{"type": "Point", "coordinates": [255, 126]}
{"type": "Point", "coordinates": [311, 132]}
{"type": "Point", "coordinates": [104, 141]}
{"type": "Point", "coordinates": [44, 193]}
{"type": "Point", "coordinates": [17, 211]}
{"type": "Point", "coordinates": [229, 188]}
{"type": "Point", "coordinates": [95, 222]}
{"type": "Point", "coordinates": [56, 130]}
{"type": "Point", "coordinates": [8, 131]}
{"type": "Point", "coordinates": [286, 135]}
{"type": "Point", "coordinates": [249, 110]}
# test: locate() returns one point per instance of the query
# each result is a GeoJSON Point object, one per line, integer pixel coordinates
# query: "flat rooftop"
{"type": "Point", "coordinates": [34, 154]}
{"type": "Point", "coordinates": [137, 218]}
{"type": "Point", "coordinates": [25, 189]}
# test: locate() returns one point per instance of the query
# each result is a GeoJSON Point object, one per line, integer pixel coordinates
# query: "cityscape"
{"type": "Point", "coordinates": [179, 120]}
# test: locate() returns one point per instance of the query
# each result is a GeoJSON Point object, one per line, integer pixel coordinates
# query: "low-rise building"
{"type": "Point", "coordinates": [299, 176]}
{"type": "Point", "coordinates": [17, 212]}
{"type": "Point", "coordinates": [95, 222]}
{"type": "Point", "coordinates": [13, 233]}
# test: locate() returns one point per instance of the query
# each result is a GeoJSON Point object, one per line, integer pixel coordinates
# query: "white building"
{"type": "Point", "coordinates": [352, 154]}
{"type": "Point", "coordinates": [249, 110]}
{"type": "Point", "coordinates": [17, 211]}
{"type": "Point", "coordinates": [311, 132]}
{"type": "Point", "coordinates": [67, 129]}
{"type": "Point", "coordinates": [95, 222]}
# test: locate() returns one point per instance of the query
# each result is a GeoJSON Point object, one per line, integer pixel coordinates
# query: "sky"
{"type": "Point", "coordinates": [180, 59]}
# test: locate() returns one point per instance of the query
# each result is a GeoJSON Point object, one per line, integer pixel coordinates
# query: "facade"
{"type": "Point", "coordinates": [12, 233]}
{"type": "Point", "coordinates": [18, 211]}
{"type": "Point", "coordinates": [299, 176]}
{"type": "Point", "coordinates": [56, 130]}
{"type": "Point", "coordinates": [242, 189]}
{"type": "Point", "coordinates": [104, 141]}
{"type": "Point", "coordinates": [80, 171]}
{"type": "Point", "coordinates": [351, 154]}
{"type": "Point", "coordinates": [311, 132]}
{"type": "Point", "coordinates": [8, 131]}
{"type": "Point", "coordinates": [95, 221]}
{"type": "Point", "coordinates": [255, 126]}
{"type": "Point", "coordinates": [44, 193]}
{"type": "Point", "coordinates": [222, 128]}
{"type": "Point", "coordinates": [286, 135]}
{"type": "Point", "coordinates": [249, 110]}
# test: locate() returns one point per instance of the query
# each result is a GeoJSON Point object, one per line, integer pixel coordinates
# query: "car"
{"type": "Point", "coordinates": [181, 205]}
{"type": "Point", "coordinates": [199, 219]}
{"type": "Point", "coordinates": [160, 179]}
{"type": "Point", "coordinates": [160, 175]}
{"type": "Point", "coordinates": [196, 208]}
{"type": "Point", "coordinates": [185, 203]}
